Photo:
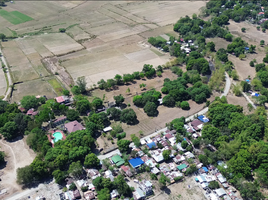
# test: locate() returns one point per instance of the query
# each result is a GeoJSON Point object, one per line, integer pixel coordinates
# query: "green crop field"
{"type": "Point", "coordinates": [56, 86]}
{"type": "Point", "coordinates": [160, 38]}
{"type": "Point", "coordinates": [14, 17]}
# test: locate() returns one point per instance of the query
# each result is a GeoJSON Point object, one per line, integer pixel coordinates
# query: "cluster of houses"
{"type": "Point", "coordinates": [207, 175]}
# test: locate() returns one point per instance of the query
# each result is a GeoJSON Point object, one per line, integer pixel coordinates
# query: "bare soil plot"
{"type": "Point", "coordinates": [18, 155]}
{"type": "Point", "coordinates": [251, 34]}
{"type": "Point", "coordinates": [219, 42]}
{"type": "Point", "coordinates": [20, 67]}
{"type": "Point", "coordinates": [181, 190]}
{"type": "Point", "coordinates": [77, 33]}
{"type": "Point", "coordinates": [35, 87]}
{"type": "Point", "coordinates": [108, 62]}
{"type": "Point", "coordinates": [157, 31]}
{"type": "Point", "coordinates": [59, 43]}
{"type": "Point", "coordinates": [163, 12]}
{"type": "Point", "coordinates": [242, 66]}
{"type": "Point", "coordinates": [232, 99]}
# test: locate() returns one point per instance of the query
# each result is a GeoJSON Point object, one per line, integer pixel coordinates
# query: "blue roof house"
{"type": "Point", "coordinates": [151, 145]}
{"type": "Point", "coordinates": [136, 162]}
{"type": "Point", "coordinates": [205, 169]}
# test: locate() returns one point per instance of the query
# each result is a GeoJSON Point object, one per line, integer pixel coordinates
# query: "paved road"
{"type": "Point", "coordinates": [8, 76]}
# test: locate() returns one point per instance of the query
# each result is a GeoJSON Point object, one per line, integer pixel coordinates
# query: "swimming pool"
{"type": "Point", "coordinates": [57, 136]}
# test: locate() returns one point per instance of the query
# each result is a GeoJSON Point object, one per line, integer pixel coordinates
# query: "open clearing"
{"type": "Point", "coordinates": [18, 155]}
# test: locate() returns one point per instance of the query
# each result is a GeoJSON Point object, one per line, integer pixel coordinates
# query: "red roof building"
{"type": "Point", "coordinates": [74, 126]}
{"type": "Point", "coordinates": [126, 169]}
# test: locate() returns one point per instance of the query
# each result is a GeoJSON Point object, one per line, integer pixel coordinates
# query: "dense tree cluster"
{"type": "Point", "coordinates": [240, 140]}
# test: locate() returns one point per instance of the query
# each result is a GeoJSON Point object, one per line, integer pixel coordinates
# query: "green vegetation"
{"type": "Point", "coordinates": [15, 17]}
{"type": "Point", "coordinates": [56, 86]}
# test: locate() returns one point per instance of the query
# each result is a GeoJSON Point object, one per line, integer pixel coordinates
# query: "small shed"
{"type": "Point", "coordinates": [205, 169]}
{"type": "Point", "coordinates": [220, 192]}
{"type": "Point", "coordinates": [107, 129]}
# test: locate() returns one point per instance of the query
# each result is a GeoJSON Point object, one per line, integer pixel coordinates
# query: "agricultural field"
{"type": "Point", "coordinates": [101, 40]}
{"type": "Point", "coordinates": [3, 84]}
{"type": "Point", "coordinates": [14, 17]}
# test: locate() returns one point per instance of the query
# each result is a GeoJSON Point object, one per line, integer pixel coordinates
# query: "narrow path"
{"type": "Point", "coordinates": [8, 76]}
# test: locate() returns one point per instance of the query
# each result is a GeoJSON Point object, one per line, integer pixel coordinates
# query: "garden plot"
{"type": "Point", "coordinates": [59, 43]}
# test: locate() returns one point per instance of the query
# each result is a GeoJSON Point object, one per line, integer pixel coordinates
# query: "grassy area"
{"type": "Point", "coordinates": [56, 86]}
{"type": "Point", "coordinates": [14, 17]}
{"type": "Point", "coordinates": [160, 38]}
{"type": "Point", "coordinates": [156, 52]}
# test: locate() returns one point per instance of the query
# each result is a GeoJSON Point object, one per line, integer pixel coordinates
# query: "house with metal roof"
{"type": "Point", "coordinates": [182, 166]}
{"type": "Point", "coordinates": [117, 160]}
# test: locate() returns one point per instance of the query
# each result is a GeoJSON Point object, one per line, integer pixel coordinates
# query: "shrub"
{"type": "Point", "coordinates": [185, 105]}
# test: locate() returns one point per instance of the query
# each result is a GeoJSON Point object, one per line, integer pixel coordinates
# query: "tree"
{"type": "Point", "coordinates": [81, 83]}
{"type": "Point", "coordinates": [28, 102]}
{"type": "Point", "coordinates": [184, 144]}
{"type": "Point", "coordinates": [75, 169]}
{"type": "Point", "coordinates": [203, 159]}
{"type": "Point", "coordinates": [166, 154]}
{"type": "Point", "coordinates": [263, 30]}
{"type": "Point", "coordinates": [229, 37]}
{"type": "Point", "coordinates": [123, 145]}
{"type": "Point", "coordinates": [2, 37]}
{"type": "Point", "coordinates": [258, 28]}
{"type": "Point", "coordinates": [262, 42]}
{"type": "Point", "coordinates": [135, 140]}
{"type": "Point", "coordinates": [25, 175]}
{"type": "Point", "coordinates": [168, 101]}
{"type": "Point", "coordinates": [66, 92]}
{"type": "Point", "coordinates": [115, 113]}
{"type": "Point", "coordinates": [72, 187]}
{"type": "Point", "coordinates": [72, 115]}
{"type": "Point", "coordinates": [118, 79]}
{"type": "Point", "coordinates": [97, 102]}
{"type": "Point", "coordinates": [9, 130]}
{"type": "Point", "coordinates": [251, 64]}
{"type": "Point", "coordinates": [234, 75]}
{"type": "Point", "coordinates": [75, 90]}
{"type": "Point", "coordinates": [121, 186]}
{"type": "Point", "coordinates": [2, 157]}
{"type": "Point", "coordinates": [245, 86]}
{"type": "Point", "coordinates": [210, 132]}
{"type": "Point", "coordinates": [163, 181]}
{"type": "Point", "coordinates": [213, 185]}
{"type": "Point", "coordinates": [242, 56]}
{"type": "Point", "coordinates": [243, 29]}
{"type": "Point", "coordinates": [128, 116]}
{"type": "Point", "coordinates": [211, 46]}
{"type": "Point", "coordinates": [261, 100]}
{"type": "Point", "coordinates": [151, 109]}
{"type": "Point", "coordinates": [97, 182]}
{"type": "Point", "coordinates": [119, 99]}
{"type": "Point", "coordinates": [91, 160]}
{"type": "Point", "coordinates": [104, 194]}
{"type": "Point", "coordinates": [185, 105]}
{"type": "Point", "coordinates": [59, 176]}
{"type": "Point", "coordinates": [83, 106]}
{"type": "Point", "coordinates": [62, 30]}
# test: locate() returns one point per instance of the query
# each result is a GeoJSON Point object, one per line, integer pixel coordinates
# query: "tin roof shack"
{"type": "Point", "coordinates": [188, 155]}
{"type": "Point", "coordinates": [114, 194]}
{"type": "Point", "coordinates": [146, 187]}
{"type": "Point", "coordinates": [93, 173]}
{"type": "Point", "coordinates": [157, 155]}
{"type": "Point", "coordinates": [117, 160]}
{"type": "Point", "coordinates": [179, 158]}
{"type": "Point", "coordinates": [197, 125]}
{"type": "Point", "coordinates": [109, 174]}
{"type": "Point", "coordinates": [76, 194]}
{"type": "Point", "coordinates": [138, 194]}
{"type": "Point", "coordinates": [126, 170]}
{"type": "Point", "coordinates": [89, 195]}
{"type": "Point", "coordinates": [220, 192]}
